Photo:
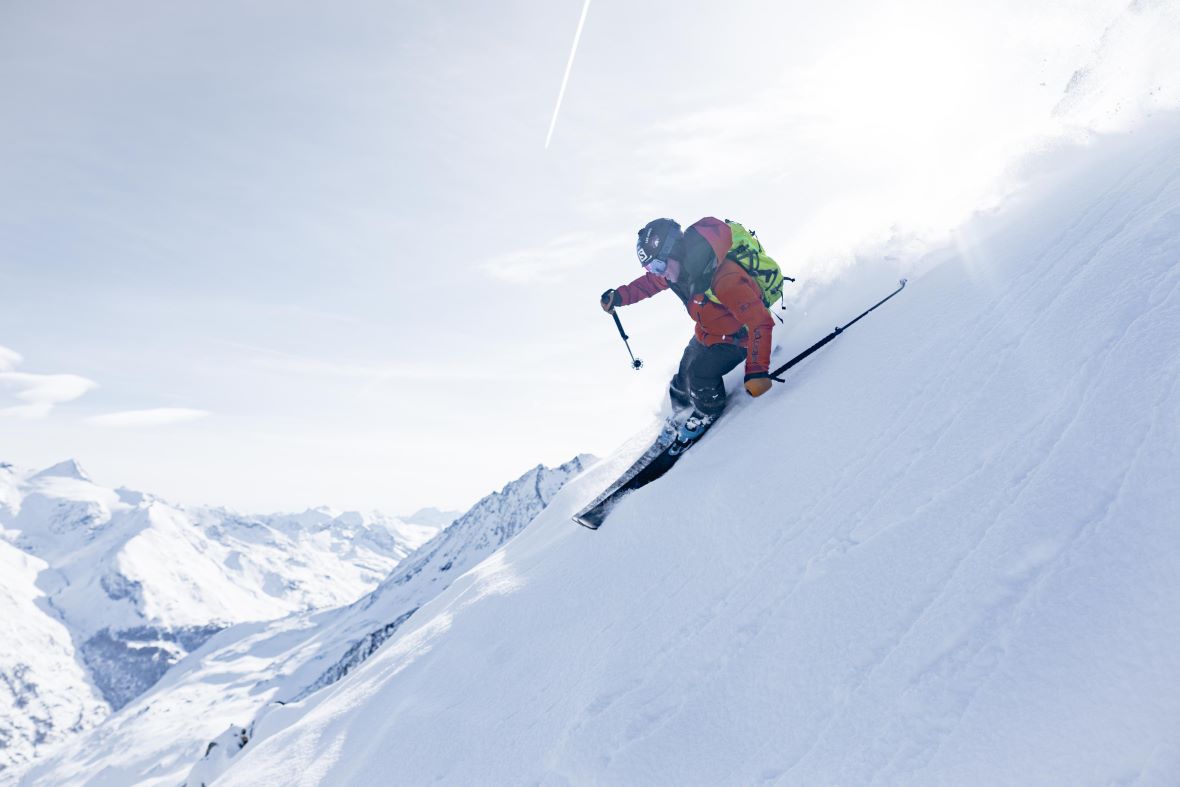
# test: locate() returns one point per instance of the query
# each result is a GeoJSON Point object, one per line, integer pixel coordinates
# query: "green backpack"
{"type": "Point", "coordinates": [746, 250]}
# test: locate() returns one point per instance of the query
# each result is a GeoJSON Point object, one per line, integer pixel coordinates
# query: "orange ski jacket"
{"type": "Point", "coordinates": [738, 318]}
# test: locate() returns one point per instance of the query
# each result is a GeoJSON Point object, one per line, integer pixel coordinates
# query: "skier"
{"type": "Point", "coordinates": [732, 322]}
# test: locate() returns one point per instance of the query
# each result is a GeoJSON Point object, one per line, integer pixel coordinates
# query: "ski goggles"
{"type": "Point", "coordinates": [669, 269]}
{"type": "Point", "coordinates": [657, 266]}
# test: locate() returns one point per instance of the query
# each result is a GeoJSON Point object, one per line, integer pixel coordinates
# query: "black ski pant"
{"type": "Point", "coordinates": [698, 382]}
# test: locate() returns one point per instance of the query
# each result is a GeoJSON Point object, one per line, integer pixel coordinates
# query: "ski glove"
{"type": "Point", "coordinates": [609, 300]}
{"type": "Point", "coordinates": [757, 384]}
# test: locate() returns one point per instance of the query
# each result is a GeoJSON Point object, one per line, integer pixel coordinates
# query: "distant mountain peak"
{"type": "Point", "coordinates": [131, 497]}
{"type": "Point", "coordinates": [67, 469]}
{"type": "Point", "coordinates": [432, 517]}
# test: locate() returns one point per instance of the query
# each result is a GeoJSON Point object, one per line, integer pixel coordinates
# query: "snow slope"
{"type": "Point", "coordinates": [44, 692]}
{"type": "Point", "coordinates": [944, 552]}
{"type": "Point", "coordinates": [249, 670]}
{"type": "Point", "coordinates": [103, 590]}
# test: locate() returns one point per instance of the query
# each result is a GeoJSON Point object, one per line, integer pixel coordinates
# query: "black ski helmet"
{"type": "Point", "coordinates": [656, 240]}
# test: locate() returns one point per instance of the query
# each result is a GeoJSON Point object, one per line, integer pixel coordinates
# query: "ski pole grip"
{"type": "Point", "coordinates": [619, 325]}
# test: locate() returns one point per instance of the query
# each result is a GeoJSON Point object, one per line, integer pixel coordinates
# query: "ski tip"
{"type": "Point", "coordinates": [586, 523]}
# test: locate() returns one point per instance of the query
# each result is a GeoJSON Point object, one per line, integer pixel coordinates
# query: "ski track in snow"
{"type": "Point", "coordinates": [1006, 610]}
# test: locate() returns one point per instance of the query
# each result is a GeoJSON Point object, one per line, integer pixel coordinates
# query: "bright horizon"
{"type": "Point", "coordinates": [273, 259]}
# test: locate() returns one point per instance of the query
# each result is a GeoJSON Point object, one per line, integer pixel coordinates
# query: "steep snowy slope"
{"type": "Point", "coordinates": [251, 668]}
{"type": "Point", "coordinates": [944, 552]}
{"type": "Point", "coordinates": [44, 692]}
{"type": "Point", "coordinates": [105, 589]}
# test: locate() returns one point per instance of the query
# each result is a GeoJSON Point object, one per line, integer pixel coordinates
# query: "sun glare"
{"type": "Point", "coordinates": [919, 122]}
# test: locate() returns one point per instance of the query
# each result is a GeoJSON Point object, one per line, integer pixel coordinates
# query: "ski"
{"type": "Point", "coordinates": [655, 461]}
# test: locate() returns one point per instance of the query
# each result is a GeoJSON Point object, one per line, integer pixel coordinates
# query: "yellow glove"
{"type": "Point", "coordinates": [757, 384]}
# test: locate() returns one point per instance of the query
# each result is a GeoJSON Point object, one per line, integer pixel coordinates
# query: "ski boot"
{"type": "Point", "coordinates": [690, 431]}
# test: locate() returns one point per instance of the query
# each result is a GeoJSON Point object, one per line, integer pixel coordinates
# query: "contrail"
{"type": "Point", "coordinates": [568, 67]}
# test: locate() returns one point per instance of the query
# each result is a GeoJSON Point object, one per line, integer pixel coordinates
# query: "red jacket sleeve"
{"type": "Point", "coordinates": [645, 286]}
{"type": "Point", "coordinates": [738, 293]}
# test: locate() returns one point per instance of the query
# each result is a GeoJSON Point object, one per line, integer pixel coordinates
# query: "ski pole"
{"type": "Point", "coordinates": [635, 362]}
{"type": "Point", "coordinates": [775, 374]}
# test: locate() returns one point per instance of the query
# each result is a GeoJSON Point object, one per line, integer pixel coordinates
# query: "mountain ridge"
{"type": "Point", "coordinates": [249, 671]}
{"type": "Point", "coordinates": [119, 585]}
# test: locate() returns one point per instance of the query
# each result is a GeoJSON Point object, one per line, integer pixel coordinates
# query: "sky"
{"type": "Point", "coordinates": [277, 255]}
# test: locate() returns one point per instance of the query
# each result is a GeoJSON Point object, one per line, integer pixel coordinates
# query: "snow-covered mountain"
{"type": "Point", "coordinates": [943, 552]}
{"type": "Point", "coordinates": [432, 517]}
{"type": "Point", "coordinates": [251, 671]}
{"type": "Point", "coordinates": [104, 590]}
{"type": "Point", "coordinates": [45, 692]}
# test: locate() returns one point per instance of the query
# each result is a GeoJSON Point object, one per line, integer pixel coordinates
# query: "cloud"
{"type": "Point", "coordinates": [8, 358]}
{"type": "Point", "coordinates": [160, 416]}
{"type": "Point", "coordinates": [551, 261]}
{"type": "Point", "coordinates": [507, 366]}
{"type": "Point", "coordinates": [40, 392]}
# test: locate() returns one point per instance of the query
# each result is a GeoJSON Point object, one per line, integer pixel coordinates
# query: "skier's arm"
{"type": "Point", "coordinates": [738, 293]}
{"type": "Point", "coordinates": [645, 286]}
